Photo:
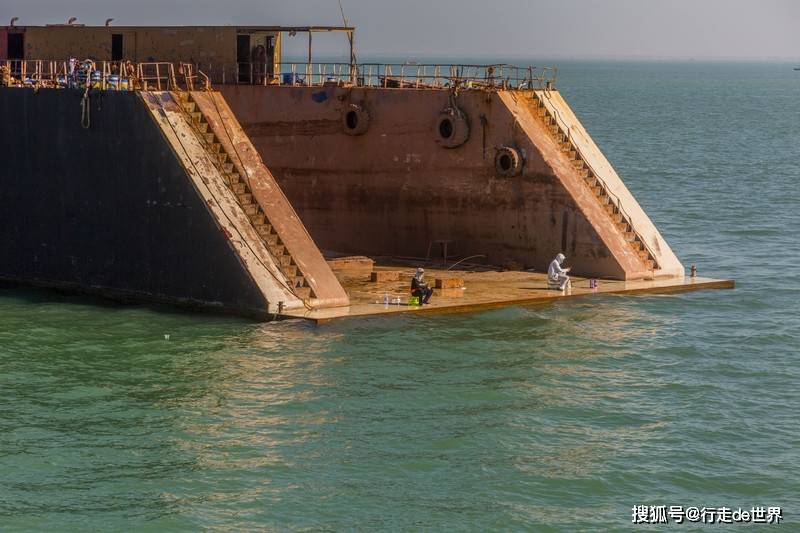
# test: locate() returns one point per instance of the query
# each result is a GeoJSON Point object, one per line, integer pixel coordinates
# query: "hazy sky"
{"type": "Point", "coordinates": [473, 28]}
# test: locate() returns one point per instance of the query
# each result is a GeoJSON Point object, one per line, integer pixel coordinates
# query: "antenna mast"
{"type": "Point", "coordinates": [350, 37]}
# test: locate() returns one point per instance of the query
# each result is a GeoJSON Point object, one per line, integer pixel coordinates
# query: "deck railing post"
{"type": "Point", "coordinates": [100, 74]}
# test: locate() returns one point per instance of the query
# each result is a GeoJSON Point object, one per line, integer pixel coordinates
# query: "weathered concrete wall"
{"type": "Point", "coordinates": [170, 44]}
{"type": "Point", "coordinates": [115, 209]}
{"type": "Point", "coordinates": [394, 190]}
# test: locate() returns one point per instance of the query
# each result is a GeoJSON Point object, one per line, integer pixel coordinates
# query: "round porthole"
{"type": "Point", "coordinates": [452, 128]}
{"type": "Point", "coordinates": [355, 120]}
{"type": "Point", "coordinates": [507, 161]}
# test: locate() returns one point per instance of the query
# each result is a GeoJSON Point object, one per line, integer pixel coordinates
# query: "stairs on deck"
{"type": "Point", "coordinates": [595, 183]}
{"type": "Point", "coordinates": [240, 187]}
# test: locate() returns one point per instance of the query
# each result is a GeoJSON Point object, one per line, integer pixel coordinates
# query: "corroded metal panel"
{"type": "Point", "coordinates": [668, 263]}
{"type": "Point", "coordinates": [327, 289]}
{"type": "Point", "coordinates": [586, 203]}
{"type": "Point", "coordinates": [219, 200]}
{"type": "Point", "coordinates": [396, 190]}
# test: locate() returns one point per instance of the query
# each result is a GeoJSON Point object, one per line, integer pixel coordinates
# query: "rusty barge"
{"type": "Point", "coordinates": [191, 165]}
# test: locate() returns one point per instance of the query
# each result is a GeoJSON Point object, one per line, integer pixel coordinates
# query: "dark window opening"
{"type": "Point", "coordinates": [446, 128]}
{"type": "Point", "coordinates": [243, 57]}
{"type": "Point", "coordinates": [116, 47]}
{"type": "Point", "coordinates": [505, 162]}
{"type": "Point", "coordinates": [16, 46]}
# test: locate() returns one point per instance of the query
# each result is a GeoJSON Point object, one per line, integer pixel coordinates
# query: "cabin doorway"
{"type": "Point", "coordinates": [16, 46]}
{"type": "Point", "coordinates": [255, 54]}
{"type": "Point", "coordinates": [262, 55]}
{"type": "Point", "coordinates": [243, 57]}
{"type": "Point", "coordinates": [116, 46]}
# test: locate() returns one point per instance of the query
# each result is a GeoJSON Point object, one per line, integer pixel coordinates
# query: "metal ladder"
{"type": "Point", "coordinates": [611, 202]}
{"type": "Point", "coordinates": [240, 187]}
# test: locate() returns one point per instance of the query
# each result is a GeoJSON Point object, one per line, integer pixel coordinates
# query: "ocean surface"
{"type": "Point", "coordinates": [558, 418]}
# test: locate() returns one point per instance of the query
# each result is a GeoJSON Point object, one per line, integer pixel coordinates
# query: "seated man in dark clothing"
{"type": "Point", "coordinates": [419, 288]}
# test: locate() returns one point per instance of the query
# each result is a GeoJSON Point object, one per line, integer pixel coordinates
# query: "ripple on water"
{"type": "Point", "coordinates": [541, 418]}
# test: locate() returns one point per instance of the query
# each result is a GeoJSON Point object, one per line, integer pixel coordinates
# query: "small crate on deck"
{"type": "Point", "coordinates": [352, 267]}
{"type": "Point", "coordinates": [449, 283]}
{"type": "Point", "coordinates": [385, 275]}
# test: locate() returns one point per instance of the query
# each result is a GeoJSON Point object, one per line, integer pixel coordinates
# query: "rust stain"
{"type": "Point", "coordinates": [287, 128]}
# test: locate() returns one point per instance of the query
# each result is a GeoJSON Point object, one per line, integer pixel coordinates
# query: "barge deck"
{"type": "Point", "coordinates": [482, 291]}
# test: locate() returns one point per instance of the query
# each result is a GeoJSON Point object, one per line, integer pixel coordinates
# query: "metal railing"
{"type": "Point", "coordinates": [387, 75]}
{"type": "Point", "coordinates": [102, 75]}
{"type": "Point", "coordinates": [613, 197]}
{"type": "Point", "coordinates": [125, 75]}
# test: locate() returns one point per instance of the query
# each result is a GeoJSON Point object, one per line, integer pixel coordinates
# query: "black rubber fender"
{"type": "Point", "coordinates": [508, 161]}
{"type": "Point", "coordinates": [451, 128]}
{"type": "Point", "coordinates": [355, 119]}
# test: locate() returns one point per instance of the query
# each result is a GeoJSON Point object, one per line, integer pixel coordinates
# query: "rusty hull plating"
{"type": "Point", "coordinates": [487, 169]}
{"type": "Point", "coordinates": [381, 160]}
{"type": "Point", "coordinates": [197, 222]}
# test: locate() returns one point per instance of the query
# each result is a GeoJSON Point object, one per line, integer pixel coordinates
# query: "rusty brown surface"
{"type": "Point", "coordinates": [384, 275]}
{"type": "Point", "coordinates": [140, 43]}
{"type": "Point", "coordinates": [356, 262]}
{"type": "Point", "coordinates": [3, 43]}
{"type": "Point", "coordinates": [220, 201]}
{"type": "Point", "coordinates": [449, 283]}
{"type": "Point", "coordinates": [395, 191]}
{"type": "Point", "coordinates": [539, 138]}
{"type": "Point", "coordinates": [304, 252]}
{"type": "Point", "coordinates": [489, 290]}
{"type": "Point", "coordinates": [608, 186]}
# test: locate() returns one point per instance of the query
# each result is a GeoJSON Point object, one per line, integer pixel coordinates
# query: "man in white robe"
{"type": "Point", "coordinates": [557, 277]}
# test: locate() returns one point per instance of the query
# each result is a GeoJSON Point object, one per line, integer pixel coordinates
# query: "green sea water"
{"type": "Point", "coordinates": [557, 418]}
